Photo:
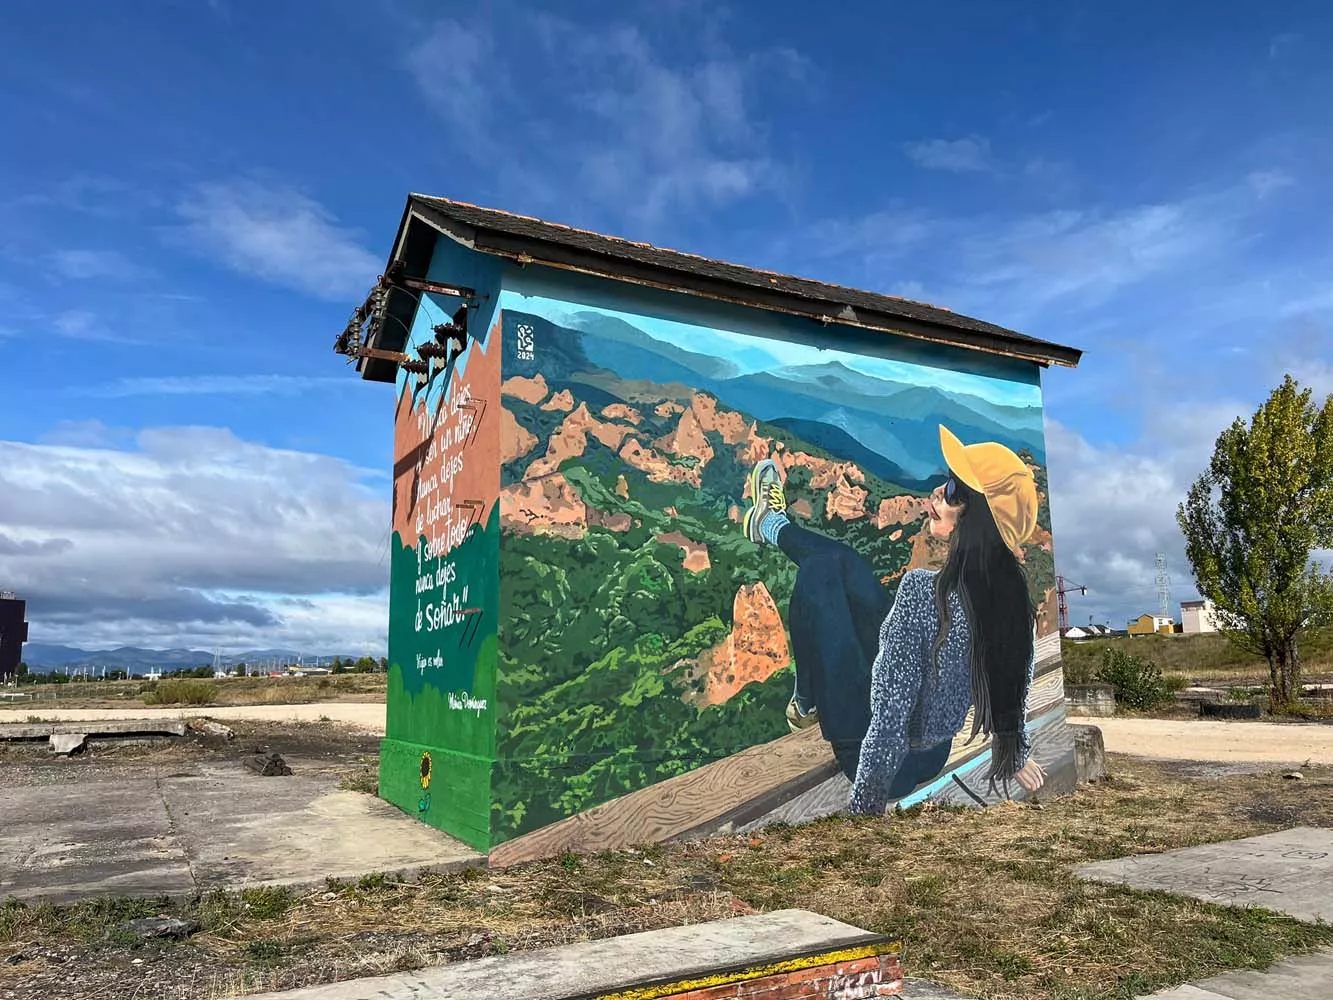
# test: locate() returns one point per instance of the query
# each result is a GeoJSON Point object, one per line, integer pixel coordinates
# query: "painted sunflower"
{"type": "Point", "coordinates": [425, 769]}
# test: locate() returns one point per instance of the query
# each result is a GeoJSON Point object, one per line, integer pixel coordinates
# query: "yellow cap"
{"type": "Point", "coordinates": [1002, 478]}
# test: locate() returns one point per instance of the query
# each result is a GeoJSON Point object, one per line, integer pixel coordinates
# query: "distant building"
{"type": "Point", "coordinates": [1083, 632]}
{"type": "Point", "coordinates": [1151, 624]}
{"type": "Point", "coordinates": [1197, 617]}
{"type": "Point", "coordinates": [13, 634]}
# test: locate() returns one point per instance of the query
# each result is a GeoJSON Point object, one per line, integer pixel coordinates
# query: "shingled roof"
{"type": "Point", "coordinates": [534, 241]}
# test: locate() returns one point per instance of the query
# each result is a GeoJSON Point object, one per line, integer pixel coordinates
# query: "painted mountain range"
{"type": "Point", "coordinates": [897, 421]}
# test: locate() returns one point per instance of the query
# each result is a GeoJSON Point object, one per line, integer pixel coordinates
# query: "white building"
{"type": "Point", "coordinates": [1197, 616]}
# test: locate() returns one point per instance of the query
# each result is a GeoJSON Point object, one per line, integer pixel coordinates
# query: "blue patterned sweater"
{"type": "Point", "coordinates": [913, 706]}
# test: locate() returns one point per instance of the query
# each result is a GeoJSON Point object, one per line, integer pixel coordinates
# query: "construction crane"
{"type": "Point", "coordinates": [1063, 587]}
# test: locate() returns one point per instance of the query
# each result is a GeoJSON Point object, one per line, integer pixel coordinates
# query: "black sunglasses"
{"type": "Point", "coordinates": [955, 493]}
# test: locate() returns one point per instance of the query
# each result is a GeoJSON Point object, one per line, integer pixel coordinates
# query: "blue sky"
{"type": "Point", "coordinates": [196, 193]}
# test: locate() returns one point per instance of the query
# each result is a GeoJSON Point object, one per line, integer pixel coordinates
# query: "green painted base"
{"type": "Point", "coordinates": [455, 798]}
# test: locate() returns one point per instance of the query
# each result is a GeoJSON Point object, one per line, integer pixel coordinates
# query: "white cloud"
{"type": "Point", "coordinates": [968, 155]}
{"type": "Point", "coordinates": [91, 265]}
{"type": "Point", "coordinates": [215, 385]}
{"type": "Point", "coordinates": [644, 130]}
{"type": "Point", "coordinates": [279, 235]}
{"type": "Point", "coordinates": [184, 538]}
{"type": "Point", "coordinates": [1113, 508]}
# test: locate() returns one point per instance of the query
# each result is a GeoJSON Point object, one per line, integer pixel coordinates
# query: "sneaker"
{"type": "Point", "coordinates": [798, 720]}
{"type": "Point", "coordinates": [768, 498]}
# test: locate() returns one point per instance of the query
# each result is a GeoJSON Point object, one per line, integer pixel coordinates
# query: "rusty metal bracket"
{"type": "Point", "coordinates": [435, 287]}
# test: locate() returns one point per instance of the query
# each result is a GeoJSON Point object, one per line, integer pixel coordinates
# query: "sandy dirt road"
{"type": "Point", "coordinates": [1161, 739]}
{"type": "Point", "coordinates": [1221, 742]}
{"type": "Point", "coordinates": [368, 717]}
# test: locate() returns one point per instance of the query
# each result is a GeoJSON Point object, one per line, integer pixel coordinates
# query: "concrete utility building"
{"type": "Point", "coordinates": [1197, 617]}
{"type": "Point", "coordinates": [600, 633]}
{"type": "Point", "coordinates": [13, 634]}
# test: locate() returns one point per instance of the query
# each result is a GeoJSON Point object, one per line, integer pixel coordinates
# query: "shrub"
{"type": "Point", "coordinates": [1138, 682]}
{"type": "Point", "coordinates": [1175, 683]}
{"type": "Point", "coordinates": [179, 692]}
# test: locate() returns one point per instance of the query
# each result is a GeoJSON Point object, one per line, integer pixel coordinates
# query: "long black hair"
{"type": "Point", "coordinates": [989, 580]}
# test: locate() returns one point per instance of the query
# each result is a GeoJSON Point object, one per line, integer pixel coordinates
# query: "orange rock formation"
{"type": "Point", "coordinates": [546, 506]}
{"type": "Point", "coordinates": [755, 650]}
{"type": "Point", "coordinates": [696, 553]}
{"type": "Point", "coordinates": [562, 401]}
{"type": "Point", "coordinates": [530, 390]}
{"type": "Point", "coordinates": [619, 411]}
{"type": "Point", "coordinates": [515, 439]}
{"type": "Point", "coordinates": [845, 501]}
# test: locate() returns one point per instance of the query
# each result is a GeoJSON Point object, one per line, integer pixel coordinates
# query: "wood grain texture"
{"type": "Point", "coordinates": [677, 805]}
{"type": "Point", "coordinates": [1052, 748]}
{"type": "Point", "coordinates": [790, 775]}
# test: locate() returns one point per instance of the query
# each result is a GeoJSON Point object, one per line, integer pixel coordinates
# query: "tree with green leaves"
{"type": "Point", "coordinates": [1251, 523]}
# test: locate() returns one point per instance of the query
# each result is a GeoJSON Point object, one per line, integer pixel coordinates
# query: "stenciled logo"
{"type": "Point", "coordinates": [526, 346]}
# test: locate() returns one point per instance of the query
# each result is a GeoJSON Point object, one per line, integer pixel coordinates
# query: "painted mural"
{"type": "Point", "coordinates": [435, 761]}
{"type": "Point", "coordinates": [714, 542]}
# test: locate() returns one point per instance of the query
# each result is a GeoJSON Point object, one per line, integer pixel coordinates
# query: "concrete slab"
{"type": "Point", "coordinates": [593, 967]}
{"type": "Point", "coordinates": [65, 842]}
{"type": "Point", "coordinates": [213, 827]}
{"type": "Point", "coordinates": [67, 743]}
{"type": "Point", "coordinates": [96, 727]}
{"type": "Point", "coordinates": [240, 828]}
{"type": "Point", "coordinates": [1309, 977]}
{"type": "Point", "coordinates": [1290, 872]}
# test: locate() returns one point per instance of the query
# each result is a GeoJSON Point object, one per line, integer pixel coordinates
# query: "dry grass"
{"type": "Point", "coordinates": [231, 691]}
{"type": "Point", "coordinates": [1204, 659]}
{"type": "Point", "coordinates": [985, 902]}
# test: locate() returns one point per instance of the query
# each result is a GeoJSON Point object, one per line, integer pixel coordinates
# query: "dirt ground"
{"type": "Point", "coordinates": [985, 901]}
{"type": "Point", "coordinates": [322, 746]}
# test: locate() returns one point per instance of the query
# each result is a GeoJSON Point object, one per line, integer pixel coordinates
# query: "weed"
{"type": "Point", "coordinates": [264, 950]}
{"type": "Point", "coordinates": [366, 780]}
{"type": "Point", "coordinates": [267, 902]}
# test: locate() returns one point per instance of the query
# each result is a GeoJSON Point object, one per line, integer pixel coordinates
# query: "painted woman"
{"type": "Point", "coordinates": [891, 683]}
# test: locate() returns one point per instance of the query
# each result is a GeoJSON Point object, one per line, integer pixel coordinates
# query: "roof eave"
{"type": "Point", "coordinates": [526, 250]}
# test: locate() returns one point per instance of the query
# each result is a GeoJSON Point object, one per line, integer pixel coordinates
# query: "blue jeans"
{"type": "Point", "coordinates": [837, 608]}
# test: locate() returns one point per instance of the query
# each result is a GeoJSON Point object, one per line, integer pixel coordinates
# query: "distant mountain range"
{"type": "Point", "coordinates": [45, 656]}
{"type": "Point", "coordinates": [896, 421]}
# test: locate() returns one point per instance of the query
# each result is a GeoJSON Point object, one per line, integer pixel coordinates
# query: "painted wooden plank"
{"type": "Point", "coordinates": [1052, 748]}
{"type": "Point", "coordinates": [672, 807]}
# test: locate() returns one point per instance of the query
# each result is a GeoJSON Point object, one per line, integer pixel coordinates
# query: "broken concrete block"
{"type": "Point", "coordinates": [1089, 753]}
{"type": "Point", "coordinates": [68, 743]}
{"type": "Point", "coordinates": [210, 728]}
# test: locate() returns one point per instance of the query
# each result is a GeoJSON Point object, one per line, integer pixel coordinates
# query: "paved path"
{"type": "Point", "coordinates": [1222, 742]}
{"type": "Point", "coordinates": [204, 827]}
{"type": "Point", "coordinates": [1290, 871]}
{"type": "Point", "coordinates": [361, 715]}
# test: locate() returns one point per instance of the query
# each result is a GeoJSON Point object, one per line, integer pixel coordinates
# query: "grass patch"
{"type": "Point", "coordinates": [985, 901]}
